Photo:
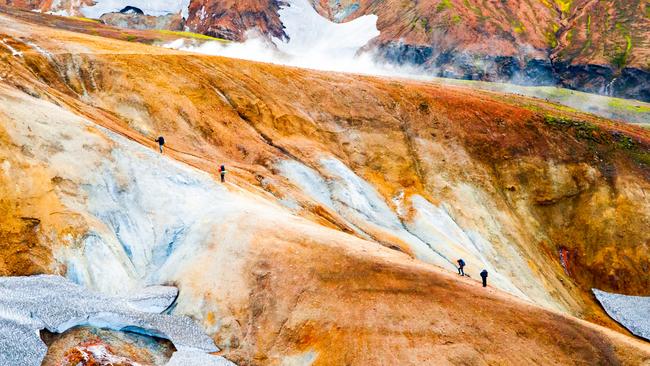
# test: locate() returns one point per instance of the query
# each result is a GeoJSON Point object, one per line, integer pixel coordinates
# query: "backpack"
{"type": "Point", "coordinates": [161, 140]}
{"type": "Point", "coordinates": [461, 263]}
{"type": "Point", "coordinates": [222, 169]}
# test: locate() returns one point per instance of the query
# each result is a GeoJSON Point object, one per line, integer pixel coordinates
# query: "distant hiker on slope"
{"type": "Point", "coordinates": [484, 274]}
{"type": "Point", "coordinates": [222, 171]}
{"type": "Point", "coordinates": [161, 141]}
{"type": "Point", "coordinates": [461, 265]}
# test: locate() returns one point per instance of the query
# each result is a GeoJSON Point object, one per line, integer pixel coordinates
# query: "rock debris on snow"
{"type": "Point", "coordinates": [30, 304]}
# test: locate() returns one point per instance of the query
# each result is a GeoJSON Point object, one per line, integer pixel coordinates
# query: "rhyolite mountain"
{"type": "Point", "coordinates": [596, 46]}
{"type": "Point", "coordinates": [348, 200]}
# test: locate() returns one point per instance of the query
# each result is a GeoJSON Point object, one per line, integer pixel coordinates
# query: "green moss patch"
{"type": "Point", "coordinates": [193, 35]}
{"type": "Point", "coordinates": [603, 141]}
{"type": "Point", "coordinates": [564, 5]}
{"type": "Point", "coordinates": [443, 5]}
{"type": "Point", "coordinates": [87, 20]}
{"type": "Point", "coordinates": [518, 27]}
{"type": "Point", "coordinates": [622, 52]}
{"type": "Point", "coordinates": [551, 35]}
{"type": "Point", "coordinates": [582, 130]}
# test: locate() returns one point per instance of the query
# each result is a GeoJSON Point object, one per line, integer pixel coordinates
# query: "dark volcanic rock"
{"type": "Point", "coordinates": [631, 83]}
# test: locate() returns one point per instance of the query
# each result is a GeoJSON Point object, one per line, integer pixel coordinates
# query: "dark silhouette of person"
{"type": "Point", "coordinates": [461, 266]}
{"type": "Point", "coordinates": [161, 141]}
{"type": "Point", "coordinates": [222, 171]}
{"type": "Point", "coordinates": [484, 275]}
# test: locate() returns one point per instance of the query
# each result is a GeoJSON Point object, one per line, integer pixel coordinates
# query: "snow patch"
{"type": "Point", "coordinates": [435, 226]}
{"type": "Point", "coordinates": [431, 233]}
{"type": "Point", "coordinates": [30, 304]}
{"type": "Point", "coordinates": [303, 359]}
{"type": "Point", "coordinates": [358, 202]}
{"type": "Point", "coordinates": [630, 311]}
{"type": "Point", "coordinates": [312, 37]}
{"type": "Point", "coordinates": [312, 42]}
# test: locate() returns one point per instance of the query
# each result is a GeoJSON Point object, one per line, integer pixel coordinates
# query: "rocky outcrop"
{"type": "Point", "coordinates": [590, 45]}
{"type": "Point", "coordinates": [141, 21]}
{"type": "Point", "coordinates": [231, 19]}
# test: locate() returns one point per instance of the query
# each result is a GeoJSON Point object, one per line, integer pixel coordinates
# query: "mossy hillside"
{"type": "Point", "coordinates": [602, 141]}
{"type": "Point", "coordinates": [444, 5]}
{"type": "Point", "coordinates": [564, 6]}
{"type": "Point", "coordinates": [551, 35]}
{"type": "Point", "coordinates": [622, 51]}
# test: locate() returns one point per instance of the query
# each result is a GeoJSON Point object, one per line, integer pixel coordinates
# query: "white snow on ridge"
{"type": "Point", "coordinates": [313, 42]}
{"type": "Point", "coordinates": [312, 36]}
{"type": "Point", "coordinates": [188, 358]}
{"type": "Point", "coordinates": [156, 8]}
{"type": "Point", "coordinates": [436, 226]}
{"type": "Point", "coordinates": [13, 51]}
{"type": "Point", "coordinates": [360, 203]}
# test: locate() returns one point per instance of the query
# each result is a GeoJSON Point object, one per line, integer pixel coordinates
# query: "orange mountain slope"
{"type": "Point", "coordinates": [594, 46]}
{"type": "Point", "coordinates": [280, 268]}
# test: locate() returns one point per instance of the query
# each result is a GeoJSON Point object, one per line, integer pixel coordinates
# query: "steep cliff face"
{"type": "Point", "coordinates": [348, 200]}
{"type": "Point", "coordinates": [595, 46]}
{"type": "Point", "coordinates": [231, 19]}
{"type": "Point", "coordinates": [174, 22]}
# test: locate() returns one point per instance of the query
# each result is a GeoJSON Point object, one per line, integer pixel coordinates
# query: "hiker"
{"type": "Point", "coordinates": [222, 171]}
{"type": "Point", "coordinates": [461, 265]}
{"type": "Point", "coordinates": [161, 141]}
{"type": "Point", "coordinates": [484, 274]}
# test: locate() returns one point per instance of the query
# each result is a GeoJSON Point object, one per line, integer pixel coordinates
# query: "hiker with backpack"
{"type": "Point", "coordinates": [484, 275]}
{"type": "Point", "coordinates": [161, 141]}
{"type": "Point", "coordinates": [222, 171]}
{"type": "Point", "coordinates": [461, 266]}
